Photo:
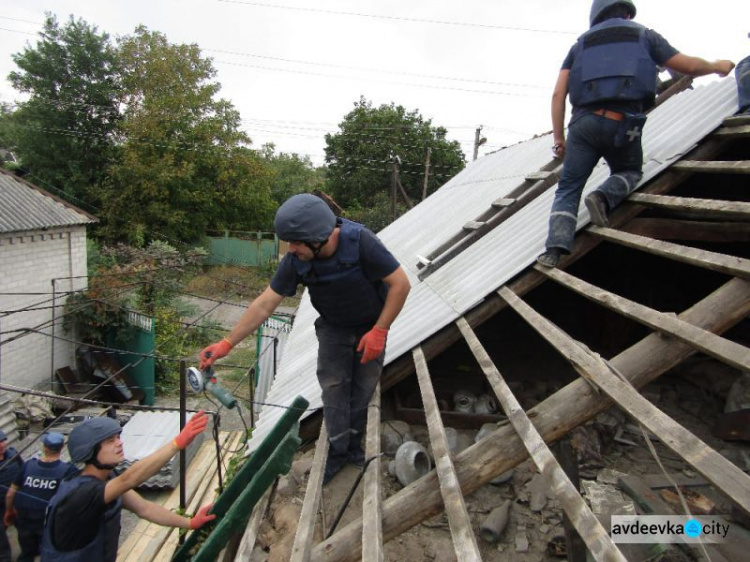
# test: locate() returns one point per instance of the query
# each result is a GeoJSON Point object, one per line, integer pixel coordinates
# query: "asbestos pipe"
{"type": "Point", "coordinates": [568, 408]}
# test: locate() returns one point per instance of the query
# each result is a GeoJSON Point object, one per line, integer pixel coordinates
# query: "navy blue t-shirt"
{"type": "Point", "coordinates": [660, 51]}
{"type": "Point", "coordinates": [375, 259]}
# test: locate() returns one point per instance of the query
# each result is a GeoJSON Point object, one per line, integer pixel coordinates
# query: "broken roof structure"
{"type": "Point", "coordinates": [469, 251]}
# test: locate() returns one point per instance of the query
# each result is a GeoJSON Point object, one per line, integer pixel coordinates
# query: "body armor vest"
{"type": "Point", "coordinates": [612, 63]}
{"type": "Point", "coordinates": [104, 545]}
{"type": "Point", "coordinates": [339, 290]}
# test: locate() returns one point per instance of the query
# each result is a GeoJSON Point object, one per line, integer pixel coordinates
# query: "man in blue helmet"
{"type": "Point", "coordinates": [83, 518]}
{"type": "Point", "coordinates": [28, 497]}
{"type": "Point", "coordinates": [10, 465]}
{"type": "Point", "coordinates": [610, 74]}
{"type": "Point", "coordinates": [358, 288]}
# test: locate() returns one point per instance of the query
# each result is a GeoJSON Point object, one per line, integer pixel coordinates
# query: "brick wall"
{"type": "Point", "coordinates": [29, 262]}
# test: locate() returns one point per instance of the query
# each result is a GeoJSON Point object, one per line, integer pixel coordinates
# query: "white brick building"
{"type": "Point", "coordinates": [42, 259]}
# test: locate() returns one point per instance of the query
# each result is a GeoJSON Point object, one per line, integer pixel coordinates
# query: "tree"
{"type": "Point", "coordinates": [185, 166]}
{"type": "Point", "coordinates": [360, 155]}
{"type": "Point", "coordinates": [62, 134]}
{"type": "Point", "coordinates": [292, 174]}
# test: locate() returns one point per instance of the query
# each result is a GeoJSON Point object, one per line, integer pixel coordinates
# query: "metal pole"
{"type": "Point", "coordinates": [183, 420]}
{"type": "Point", "coordinates": [426, 173]}
{"type": "Point", "coordinates": [476, 141]}
{"type": "Point", "coordinates": [394, 181]}
{"type": "Point", "coordinates": [52, 338]}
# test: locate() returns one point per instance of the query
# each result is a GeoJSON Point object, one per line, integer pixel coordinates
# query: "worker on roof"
{"type": "Point", "coordinates": [358, 288]}
{"type": "Point", "coordinates": [10, 465]}
{"type": "Point", "coordinates": [610, 74]}
{"type": "Point", "coordinates": [83, 518]}
{"type": "Point", "coordinates": [27, 499]}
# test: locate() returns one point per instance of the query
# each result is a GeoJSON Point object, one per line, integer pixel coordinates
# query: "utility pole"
{"type": "Point", "coordinates": [394, 184]}
{"type": "Point", "coordinates": [426, 173]}
{"type": "Point", "coordinates": [478, 141]}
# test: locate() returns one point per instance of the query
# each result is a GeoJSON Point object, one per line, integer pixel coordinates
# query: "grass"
{"type": "Point", "coordinates": [236, 284]}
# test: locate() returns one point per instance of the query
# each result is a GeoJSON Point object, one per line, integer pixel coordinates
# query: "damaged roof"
{"type": "Point", "coordinates": [465, 280]}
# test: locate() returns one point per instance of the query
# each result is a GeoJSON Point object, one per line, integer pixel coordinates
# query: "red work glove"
{"type": "Point", "coordinates": [372, 344]}
{"type": "Point", "coordinates": [193, 427]}
{"type": "Point", "coordinates": [213, 352]}
{"type": "Point", "coordinates": [202, 517]}
{"type": "Point", "coordinates": [9, 518]}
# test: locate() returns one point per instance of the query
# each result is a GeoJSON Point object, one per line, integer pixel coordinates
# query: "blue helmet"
{"type": "Point", "coordinates": [599, 6]}
{"type": "Point", "coordinates": [53, 441]}
{"type": "Point", "coordinates": [86, 436]}
{"type": "Point", "coordinates": [3, 437]}
{"type": "Point", "coordinates": [304, 218]}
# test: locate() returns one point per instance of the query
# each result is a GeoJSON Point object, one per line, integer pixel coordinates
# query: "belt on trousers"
{"type": "Point", "coordinates": [607, 114]}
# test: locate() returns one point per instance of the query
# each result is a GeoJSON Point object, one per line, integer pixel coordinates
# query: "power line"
{"type": "Point", "coordinates": [398, 18]}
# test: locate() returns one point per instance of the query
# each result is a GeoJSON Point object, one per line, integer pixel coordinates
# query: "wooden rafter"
{"type": "Point", "coordinates": [715, 346]}
{"type": "Point", "coordinates": [716, 468]}
{"type": "Point", "coordinates": [568, 408]}
{"type": "Point", "coordinates": [714, 261]}
{"type": "Point", "coordinates": [595, 536]}
{"type": "Point", "coordinates": [372, 513]}
{"type": "Point", "coordinates": [464, 541]}
{"type": "Point", "coordinates": [306, 528]}
{"type": "Point", "coordinates": [695, 207]}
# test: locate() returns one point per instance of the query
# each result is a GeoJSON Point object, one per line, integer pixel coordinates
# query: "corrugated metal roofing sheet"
{"type": "Point", "coordinates": [671, 130]}
{"type": "Point", "coordinates": [145, 433]}
{"type": "Point", "coordinates": [24, 207]}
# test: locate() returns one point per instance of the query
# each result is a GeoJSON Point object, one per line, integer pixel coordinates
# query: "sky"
{"type": "Point", "coordinates": [295, 68]}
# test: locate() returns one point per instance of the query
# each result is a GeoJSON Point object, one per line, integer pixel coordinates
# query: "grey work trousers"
{"type": "Point", "coordinates": [347, 385]}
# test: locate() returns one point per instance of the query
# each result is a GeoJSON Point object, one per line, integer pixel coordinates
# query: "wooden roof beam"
{"type": "Point", "coordinates": [731, 265]}
{"type": "Point", "coordinates": [592, 532]}
{"type": "Point", "coordinates": [568, 408]}
{"type": "Point", "coordinates": [695, 207]}
{"type": "Point", "coordinates": [464, 541]}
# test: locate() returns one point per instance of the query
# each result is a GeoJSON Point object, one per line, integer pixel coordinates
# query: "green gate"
{"type": "Point", "coordinates": [243, 248]}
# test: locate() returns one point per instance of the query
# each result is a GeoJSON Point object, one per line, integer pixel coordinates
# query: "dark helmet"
{"type": "Point", "coordinates": [86, 436]}
{"type": "Point", "coordinates": [599, 6]}
{"type": "Point", "coordinates": [304, 218]}
{"type": "Point", "coordinates": [53, 441]}
{"type": "Point", "coordinates": [3, 436]}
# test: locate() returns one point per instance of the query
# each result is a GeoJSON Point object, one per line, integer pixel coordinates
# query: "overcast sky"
{"type": "Point", "coordinates": [294, 68]}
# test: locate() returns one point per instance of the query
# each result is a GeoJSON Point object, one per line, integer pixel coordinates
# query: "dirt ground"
{"type": "Point", "coordinates": [601, 448]}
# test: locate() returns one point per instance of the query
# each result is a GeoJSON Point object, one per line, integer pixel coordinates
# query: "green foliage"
{"type": "Point", "coordinates": [184, 166]}
{"type": "Point", "coordinates": [359, 156]}
{"type": "Point", "coordinates": [63, 133]}
{"type": "Point", "coordinates": [292, 174]}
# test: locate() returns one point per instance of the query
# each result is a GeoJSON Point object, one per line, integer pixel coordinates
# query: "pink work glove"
{"type": "Point", "coordinates": [213, 352]}
{"type": "Point", "coordinates": [9, 518]}
{"type": "Point", "coordinates": [193, 427]}
{"type": "Point", "coordinates": [372, 344]}
{"type": "Point", "coordinates": [202, 517]}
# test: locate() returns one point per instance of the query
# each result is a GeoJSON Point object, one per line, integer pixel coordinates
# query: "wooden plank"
{"type": "Point", "coordinates": [372, 515]}
{"type": "Point", "coordinates": [738, 131]}
{"type": "Point", "coordinates": [503, 202]}
{"type": "Point", "coordinates": [541, 175]}
{"type": "Point", "coordinates": [247, 544]}
{"type": "Point", "coordinates": [595, 536]}
{"type": "Point", "coordinates": [566, 409]}
{"type": "Point", "coordinates": [736, 121]}
{"type": "Point", "coordinates": [679, 230]}
{"type": "Point", "coordinates": [718, 470]}
{"type": "Point", "coordinates": [731, 265]}
{"type": "Point", "coordinates": [724, 350]}
{"type": "Point", "coordinates": [306, 528]}
{"type": "Point", "coordinates": [693, 206]}
{"type": "Point", "coordinates": [473, 225]}
{"type": "Point", "coordinates": [717, 167]}
{"type": "Point", "coordinates": [464, 541]}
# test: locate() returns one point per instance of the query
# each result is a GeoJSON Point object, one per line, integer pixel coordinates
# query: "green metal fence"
{"type": "Point", "coordinates": [243, 248]}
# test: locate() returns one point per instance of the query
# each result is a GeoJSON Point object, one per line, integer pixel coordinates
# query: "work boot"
{"type": "Point", "coordinates": [334, 464]}
{"type": "Point", "coordinates": [357, 456]}
{"type": "Point", "coordinates": [597, 206]}
{"type": "Point", "coordinates": [550, 258]}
